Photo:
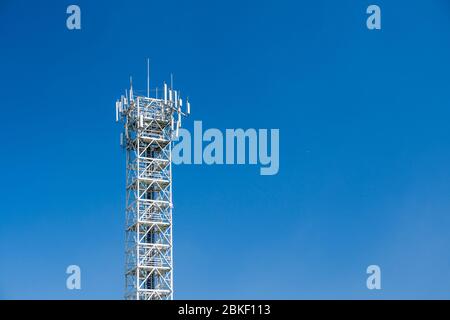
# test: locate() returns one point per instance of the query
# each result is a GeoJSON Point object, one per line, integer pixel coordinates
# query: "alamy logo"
{"type": "Point", "coordinates": [73, 281]}
{"type": "Point", "coordinates": [239, 146]}
{"type": "Point", "coordinates": [73, 22]}
{"type": "Point", "coordinates": [374, 20]}
{"type": "Point", "coordinates": [374, 280]}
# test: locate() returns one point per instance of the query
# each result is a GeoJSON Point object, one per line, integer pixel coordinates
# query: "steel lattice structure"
{"type": "Point", "coordinates": [149, 130]}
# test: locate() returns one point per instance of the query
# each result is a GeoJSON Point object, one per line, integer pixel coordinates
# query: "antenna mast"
{"type": "Point", "coordinates": [148, 78]}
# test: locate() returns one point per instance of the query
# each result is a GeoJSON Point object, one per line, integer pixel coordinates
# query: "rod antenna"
{"type": "Point", "coordinates": [148, 78]}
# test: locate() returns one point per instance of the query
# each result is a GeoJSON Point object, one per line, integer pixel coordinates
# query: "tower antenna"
{"type": "Point", "coordinates": [148, 137]}
{"type": "Point", "coordinates": [148, 78]}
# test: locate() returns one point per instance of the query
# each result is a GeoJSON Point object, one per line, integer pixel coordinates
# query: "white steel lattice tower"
{"type": "Point", "coordinates": [149, 129]}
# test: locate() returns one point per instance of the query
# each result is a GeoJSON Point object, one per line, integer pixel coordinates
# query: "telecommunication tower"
{"type": "Point", "coordinates": [149, 131]}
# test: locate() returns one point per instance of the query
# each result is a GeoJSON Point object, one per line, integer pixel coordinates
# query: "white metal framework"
{"type": "Point", "coordinates": [149, 129]}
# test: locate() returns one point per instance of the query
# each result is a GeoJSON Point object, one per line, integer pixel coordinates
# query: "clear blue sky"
{"type": "Point", "coordinates": [364, 161]}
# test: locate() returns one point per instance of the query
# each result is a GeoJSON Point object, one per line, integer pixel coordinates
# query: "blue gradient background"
{"type": "Point", "coordinates": [364, 137]}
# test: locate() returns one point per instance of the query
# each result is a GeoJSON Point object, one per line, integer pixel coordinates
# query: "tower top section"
{"type": "Point", "coordinates": [168, 101]}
